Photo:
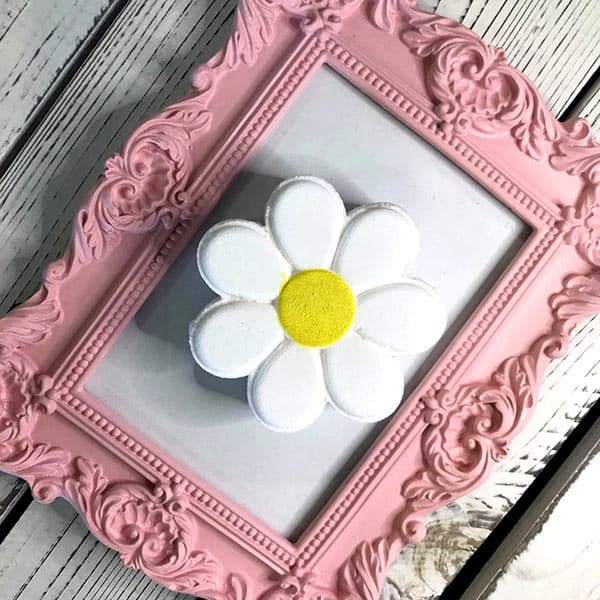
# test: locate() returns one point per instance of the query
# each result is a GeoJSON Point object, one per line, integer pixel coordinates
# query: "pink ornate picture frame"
{"type": "Point", "coordinates": [462, 97]}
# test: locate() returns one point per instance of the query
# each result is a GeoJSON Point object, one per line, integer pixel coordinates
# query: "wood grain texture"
{"type": "Point", "coordinates": [556, 43]}
{"type": "Point", "coordinates": [571, 387]}
{"type": "Point", "coordinates": [140, 65]}
{"type": "Point", "coordinates": [38, 40]}
{"type": "Point", "coordinates": [12, 490]}
{"type": "Point", "coordinates": [527, 564]}
{"type": "Point", "coordinates": [51, 555]}
{"type": "Point", "coordinates": [538, 571]}
{"type": "Point", "coordinates": [143, 62]}
{"type": "Point", "coordinates": [527, 31]}
{"type": "Point", "coordinates": [537, 574]}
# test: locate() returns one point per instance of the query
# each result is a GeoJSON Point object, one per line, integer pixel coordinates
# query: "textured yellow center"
{"type": "Point", "coordinates": [316, 307]}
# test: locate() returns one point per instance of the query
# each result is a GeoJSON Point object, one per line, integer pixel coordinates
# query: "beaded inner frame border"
{"type": "Point", "coordinates": [443, 82]}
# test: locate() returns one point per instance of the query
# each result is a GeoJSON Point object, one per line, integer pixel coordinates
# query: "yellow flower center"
{"type": "Point", "coordinates": [316, 307]}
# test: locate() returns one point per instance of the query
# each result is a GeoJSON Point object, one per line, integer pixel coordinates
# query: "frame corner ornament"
{"type": "Point", "coordinates": [474, 88]}
{"type": "Point", "coordinates": [579, 154]}
{"type": "Point", "coordinates": [153, 530]}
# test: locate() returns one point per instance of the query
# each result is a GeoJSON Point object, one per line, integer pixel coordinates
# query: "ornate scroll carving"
{"type": "Point", "coordinates": [25, 395]}
{"type": "Point", "coordinates": [579, 154]}
{"type": "Point", "coordinates": [254, 25]}
{"type": "Point", "coordinates": [153, 530]}
{"type": "Point", "coordinates": [465, 431]}
{"type": "Point", "coordinates": [469, 431]}
{"type": "Point", "coordinates": [361, 576]}
{"type": "Point", "coordinates": [299, 586]}
{"type": "Point", "coordinates": [475, 90]}
{"type": "Point", "coordinates": [146, 185]}
{"type": "Point", "coordinates": [472, 84]}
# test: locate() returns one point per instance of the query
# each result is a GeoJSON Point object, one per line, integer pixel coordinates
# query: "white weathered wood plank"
{"type": "Point", "coordinates": [41, 191]}
{"type": "Point", "coordinates": [563, 516]}
{"type": "Point", "coordinates": [59, 28]}
{"type": "Point", "coordinates": [141, 64]}
{"type": "Point", "coordinates": [539, 572]}
{"type": "Point", "coordinates": [37, 41]}
{"type": "Point", "coordinates": [120, 85]}
{"type": "Point", "coordinates": [51, 555]}
{"type": "Point", "coordinates": [11, 491]}
{"type": "Point", "coordinates": [572, 386]}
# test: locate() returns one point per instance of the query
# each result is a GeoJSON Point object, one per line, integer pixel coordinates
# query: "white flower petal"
{"type": "Point", "coordinates": [407, 317]}
{"type": "Point", "coordinates": [377, 246]}
{"type": "Point", "coordinates": [364, 381]}
{"type": "Point", "coordinates": [287, 393]}
{"type": "Point", "coordinates": [305, 216]}
{"type": "Point", "coordinates": [231, 339]}
{"type": "Point", "coordinates": [238, 258]}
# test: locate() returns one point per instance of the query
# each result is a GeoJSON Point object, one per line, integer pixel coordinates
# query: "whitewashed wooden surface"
{"type": "Point", "coordinates": [539, 572]}
{"type": "Point", "coordinates": [553, 552]}
{"type": "Point", "coordinates": [139, 65]}
{"type": "Point", "coordinates": [30, 71]}
{"type": "Point", "coordinates": [455, 532]}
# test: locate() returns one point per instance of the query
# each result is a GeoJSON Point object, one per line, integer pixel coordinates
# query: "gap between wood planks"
{"type": "Point", "coordinates": [44, 150]}
{"type": "Point", "coordinates": [466, 576]}
{"type": "Point", "coordinates": [580, 99]}
{"type": "Point", "coordinates": [117, 6]}
{"type": "Point", "coordinates": [13, 507]}
{"type": "Point", "coordinates": [80, 54]}
{"type": "Point", "coordinates": [482, 556]}
{"type": "Point", "coordinates": [527, 558]}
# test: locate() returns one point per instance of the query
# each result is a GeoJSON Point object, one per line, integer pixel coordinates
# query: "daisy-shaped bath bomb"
{"type": "Point", "coordinates": [316, 307]}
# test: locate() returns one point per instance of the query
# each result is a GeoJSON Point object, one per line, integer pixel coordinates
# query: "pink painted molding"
{"type": "Point", "coordinates": [460, 95]}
